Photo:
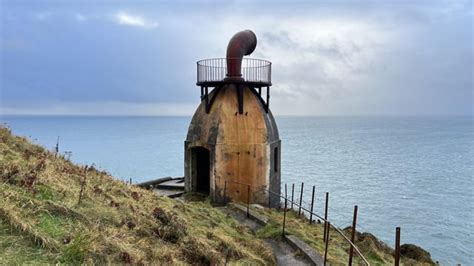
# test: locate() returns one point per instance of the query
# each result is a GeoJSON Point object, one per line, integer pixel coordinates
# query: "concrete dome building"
{"type": "Point", "coordinates": [232, 149]}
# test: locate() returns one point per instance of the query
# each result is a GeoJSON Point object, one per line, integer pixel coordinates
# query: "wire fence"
{"type": "Point", "coordinates": [299, 204]}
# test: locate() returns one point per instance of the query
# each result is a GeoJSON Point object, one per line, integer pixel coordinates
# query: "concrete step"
{"type": "Point", "coordinates": [308, 252]}
{"type": "Point", "coordinates": [168, 192]}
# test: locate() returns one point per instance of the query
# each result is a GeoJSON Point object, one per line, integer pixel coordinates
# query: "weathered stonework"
{"type": "Point", "coordinates": [243, 148]}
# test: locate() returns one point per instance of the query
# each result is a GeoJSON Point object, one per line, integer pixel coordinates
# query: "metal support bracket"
{"type": "Point", "coordinates": [210, 100]}
{"type": "Point", "coordinates": [207, 99]}
{"type": "Point", "coordinates": [267, 106]}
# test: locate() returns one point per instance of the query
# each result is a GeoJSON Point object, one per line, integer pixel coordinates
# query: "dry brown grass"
{"type": "Point", "coordinates": [113, 223]}
{"type": "Point", "coordinates": [42, 221]}
{"type": "Point", "coordinates": [373, 249]}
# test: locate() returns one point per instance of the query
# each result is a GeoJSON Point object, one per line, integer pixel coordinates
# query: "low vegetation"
{"type": "Point", "coordinates": [52, 211]}
{"type": "Point", "coordinates": [374, 250]}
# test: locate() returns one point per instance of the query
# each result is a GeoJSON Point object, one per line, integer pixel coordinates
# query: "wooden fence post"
{"type": "Point", "coordinates": [284, 217]}
{"type": "Point", "coordinates": [292, 194]}
{"type": "Point", "coordinates": [326, 215]}
{"type": "Point", "coordinates": [327, 244]}
{"type": "Point", "coordinates": [397, 246]}
{"type": "Point", "coordinates": [301, 198]}
{"type": "Point", "coordinates": [312, 204]}
{"type": "Point", "coordinates": [354, 222]}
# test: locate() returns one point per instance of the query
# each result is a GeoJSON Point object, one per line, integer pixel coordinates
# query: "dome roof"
{"type": "Point", "coordinates": [224, 125]}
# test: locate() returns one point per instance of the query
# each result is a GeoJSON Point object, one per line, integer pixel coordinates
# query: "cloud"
{"type": "Point", "coordinates": [42, 15]}
{"type": "Point", "coordinates": [80, 17]}
{"type": "Point", "coordinates": [330, 59]}
{"type": "Point", "coordinates": [323, 59]}
{"type": "Point", "coordinates": [123, 18]}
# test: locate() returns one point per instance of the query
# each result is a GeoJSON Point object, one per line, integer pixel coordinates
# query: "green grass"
{"type": "Point", "coordinates": [16, 249]}
{"type": "Point", "coordinates": [272, 230]}
{"type": "Point", "coordinates": [45, 193]}
{"type": "Point", "coordinates": [42, 220]}
{"type": "Point", "coordinates": [375, 251]}
{"type": "Point", "coordinates": [77, 251]}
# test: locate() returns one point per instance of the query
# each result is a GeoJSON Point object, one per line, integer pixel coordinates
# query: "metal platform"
{"type": "Point", "coordinates": [174, 184]}
{"type": "Point", "coordinates": [167, 186]}
{"type": "Point", "coordinates": [168, 193]}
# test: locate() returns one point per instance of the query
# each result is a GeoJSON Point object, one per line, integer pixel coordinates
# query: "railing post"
{"type": "Point", "coordinates": [284, 217]}
{"type": "Point", "coordinates": [327, 243]}
{"type": "Point", "coordinates": [354, 222]}
{"type": "Point", "coordinates": [312, 204]}
{"type": "Point", "coordinates": [286, 195]}
{"type": "Point", "coordinates": [292, 194]}
{"type": "Point", "coordinates": [248, 201]}
{"type": "Point", "coordinates": [301, 198]}
{"type": "Point", "coordinates": [225, 190]}
{"type": "Point", "coordinates": [326, 215]}
{"type": "Point", "coordinates": [269, 198]}
{"type": "Point", "coordinates": [397, 246]}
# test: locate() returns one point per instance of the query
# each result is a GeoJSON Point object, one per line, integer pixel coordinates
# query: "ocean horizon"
{"type": "Point", "coordinates": [407, 171]}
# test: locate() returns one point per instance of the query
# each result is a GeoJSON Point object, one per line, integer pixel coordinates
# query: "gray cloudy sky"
{"type": "Point", "coordinates": [329, 58]}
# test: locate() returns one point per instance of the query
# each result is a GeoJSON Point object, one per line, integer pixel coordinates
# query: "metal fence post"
{"type": "Point", "coordinates": [312, 204]}
{"type": "Point", "coordinates": [284, 217]}
{"type": "Point", "coordinates": [301, 198]}
{"type": "Point", "coordinates": [327, 243]}
{"type": "Point", "coordinates": [292, 194]}
{"type": "Point", "coordinates": [354, 222]}
{"type": "Point", "coordinates": [326, 215]}
{"type": "Point", "coordinates": [248, 201]}
{"type": "Point", "coordinates": [225, 190]}
{"type": "Point", "coordinates": [269, 198]}
{"type": "Point", "coordinates": [397, 246]}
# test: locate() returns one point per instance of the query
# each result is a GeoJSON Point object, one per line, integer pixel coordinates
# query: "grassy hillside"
{"type": "Point", "coordinates": [374, 250]}
{"type": "Point", "coordinates": [54, 211]}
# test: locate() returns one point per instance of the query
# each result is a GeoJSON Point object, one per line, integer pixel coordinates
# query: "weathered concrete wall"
{"type": "Point", "coordinates": [241, 147]}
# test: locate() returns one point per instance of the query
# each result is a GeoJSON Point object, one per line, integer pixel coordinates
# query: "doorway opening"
{"type": "Point", "coordinates": [201, 169]}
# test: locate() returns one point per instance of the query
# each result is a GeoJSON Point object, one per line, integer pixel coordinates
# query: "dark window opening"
{"type": "Point", "coordinates": [275, 159]}
{"type": "Point", "coordinates": [202, 169]}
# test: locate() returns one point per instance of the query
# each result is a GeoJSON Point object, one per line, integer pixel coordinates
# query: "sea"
{"type": "Point", "coordinates": [410, 172]}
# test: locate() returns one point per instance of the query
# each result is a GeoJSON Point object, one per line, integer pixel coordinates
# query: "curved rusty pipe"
{"type": "Point", "coordinates": [242, 43]}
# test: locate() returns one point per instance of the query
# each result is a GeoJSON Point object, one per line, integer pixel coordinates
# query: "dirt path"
{"type": "Point", "coordinates": [284, 253]}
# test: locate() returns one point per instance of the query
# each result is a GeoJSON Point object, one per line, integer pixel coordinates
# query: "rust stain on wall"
{"type": "Point", "coordinates": [239, 145]}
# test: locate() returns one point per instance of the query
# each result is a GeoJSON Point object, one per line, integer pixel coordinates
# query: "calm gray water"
{"type": "Point", "coordinates": [412, 172]}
